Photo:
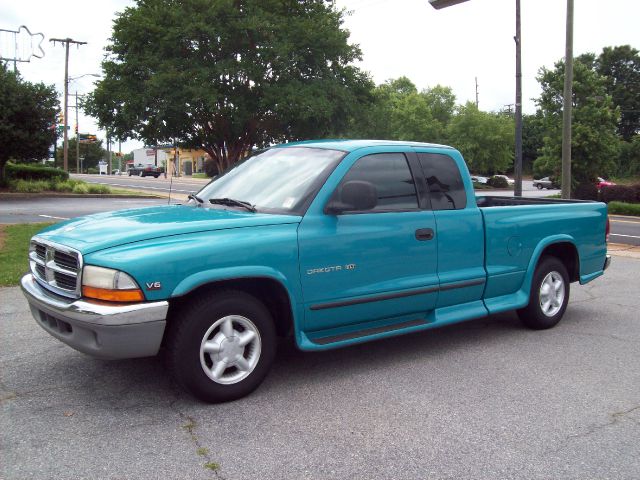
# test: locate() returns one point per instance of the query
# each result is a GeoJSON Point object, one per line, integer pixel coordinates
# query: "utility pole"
{"type": "Point", "coordinates": [477, 103]}
{"type": "Point", "coordinates": [517, 191]}
{"type": "Point", "coordinates": [566, 111]}
{"type": "Point", "coordinates": [77, 138]}
{"type": "Point", "coordinates": [66, 41]}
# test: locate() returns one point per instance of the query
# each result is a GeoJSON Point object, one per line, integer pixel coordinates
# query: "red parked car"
{"type": "Point", "coordinates": [603, 183]}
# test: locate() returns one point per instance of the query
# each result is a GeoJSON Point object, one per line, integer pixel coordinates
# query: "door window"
{"type": "Point", "coordinates": [445, 183]}
{"type": "Point", "coordinates": [390, 174]}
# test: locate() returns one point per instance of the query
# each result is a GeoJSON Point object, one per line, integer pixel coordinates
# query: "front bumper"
{"type": "Point", "coordinates": [99, 329]}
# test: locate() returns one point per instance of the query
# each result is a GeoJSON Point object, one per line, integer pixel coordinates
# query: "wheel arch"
{"type": "Point", "coordinates": [271, 292]}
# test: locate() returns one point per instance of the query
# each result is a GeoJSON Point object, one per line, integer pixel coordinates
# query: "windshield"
{"type": "Point", "coordinates": [280, 180]}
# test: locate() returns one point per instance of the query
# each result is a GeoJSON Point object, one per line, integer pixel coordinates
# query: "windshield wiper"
{"type": "Point", "coordinates": [232, 203]}
{"type": "Point", "coordinates": [193, 196]}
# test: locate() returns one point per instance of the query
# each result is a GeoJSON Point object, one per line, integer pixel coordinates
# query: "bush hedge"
{"type": "Point", "coordinates": [621, 193]}
{"type": "Point", "coordinates": [498, 182]}
{"type": "Point", "coordinates": [34, 172]}
{"type": "Point", "coordinates": [586, 191]}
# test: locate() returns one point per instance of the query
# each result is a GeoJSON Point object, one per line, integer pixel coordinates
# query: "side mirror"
{"type": "Point", "coordinates": [355, 195]}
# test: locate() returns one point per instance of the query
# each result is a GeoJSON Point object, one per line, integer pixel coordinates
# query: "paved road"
{"type": "Point", "coordinates": [482, 400]}
{"type": "Point", "coordinates": [160, 185]}
{"type": "Point", "coordinates": [625, 230]}
{"type": "Point", "coordinates": [53, 209]}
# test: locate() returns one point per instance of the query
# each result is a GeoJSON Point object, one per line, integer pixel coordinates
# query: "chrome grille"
{"type": "Point", "coordinates": [56, 267]}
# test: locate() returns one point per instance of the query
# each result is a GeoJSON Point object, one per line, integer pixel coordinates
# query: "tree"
{"type": "Point", "coordinates": [594, 145]}
{"type": "Point", "coordinates": [91, 153]}
{"type": "Point", "coordinates": [235, 75]}
{"type": "Point", "coordinates": [400, 112]}
{"type": "Point", "coordinates": [485, 139]}
{"type": "Point", "coordinates": [532, 139]}
{"type": "Point", "coordinates": [27, 119]}
{"type": "Point", "coordinates": [621, 68]}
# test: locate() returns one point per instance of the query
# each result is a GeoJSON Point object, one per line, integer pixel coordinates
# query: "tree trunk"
{"type": "Point", "coordinates": [3, 164]}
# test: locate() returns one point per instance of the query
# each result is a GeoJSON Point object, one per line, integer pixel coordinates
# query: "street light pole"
{"type": "Point", "coordinates": [566, 111]}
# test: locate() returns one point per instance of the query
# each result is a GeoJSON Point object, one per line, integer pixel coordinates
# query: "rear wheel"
{"type": "Point", "coordinates": [222, 346]}
{"type": "Point", "coordinates": [540, 187]}
{"type": "Point", "coordinates": [549, 295]}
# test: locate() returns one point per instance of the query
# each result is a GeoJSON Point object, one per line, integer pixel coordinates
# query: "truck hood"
{"type": "Point", "coordinates": [104, 230]}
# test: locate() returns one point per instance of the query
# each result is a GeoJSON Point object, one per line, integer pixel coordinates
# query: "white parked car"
{"type": "Point", "coordinates": [479, 179]}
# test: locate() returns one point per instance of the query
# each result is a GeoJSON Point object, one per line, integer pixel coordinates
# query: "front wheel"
{"type": "Point", "coordinates": [222, 346]}
{"type": "Point", "coordinates": [549, 295]}
{"type": "Point", "coordinates": [539, 185]}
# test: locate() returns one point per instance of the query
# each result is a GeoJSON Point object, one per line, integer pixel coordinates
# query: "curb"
{"type": "Point", "coordinates": [623, 250]}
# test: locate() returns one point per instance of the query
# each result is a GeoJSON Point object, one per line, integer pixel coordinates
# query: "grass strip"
{"type": "Point", "coordinates": [14, 248]}
{"type": "Point", "coordinates": [622, 208]}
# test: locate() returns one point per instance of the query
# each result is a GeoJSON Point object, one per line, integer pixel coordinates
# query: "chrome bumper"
{"type": "Point", "coordinates": [607, 262]}
{"type": "Point", "coordinates": [98, 329]}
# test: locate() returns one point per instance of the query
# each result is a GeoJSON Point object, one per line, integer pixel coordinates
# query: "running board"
{"type": "Point", "coordinates": [367, 332]}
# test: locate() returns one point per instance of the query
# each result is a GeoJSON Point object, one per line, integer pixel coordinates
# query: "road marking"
{"type": "Point", "coordinates": [620, 235]}
{"type": "Point", "coordinates": [52, 216]}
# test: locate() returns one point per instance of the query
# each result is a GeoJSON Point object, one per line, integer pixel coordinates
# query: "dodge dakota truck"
{"type": "Point", "coordinates": [331, 243]}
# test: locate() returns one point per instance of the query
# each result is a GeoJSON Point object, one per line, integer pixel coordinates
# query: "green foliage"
{"type": "Point", "coordinates": [234, 76]}
{"type": "Point", "coordinates": [400, 112]}
{"type": "Point", "coordinates": [498, 182]}
{"type": "Point", "coordinates": [34, 172]}
{"type": "Point", "coordinates": [27, 118]}
{"type": "Point", "coordinates": [621, 68]}
{"type": "Point", "coordinates": [629, 158]}
{"type": "Point", "coordinates": [55, 185]}
{"type": "Point", "coordinates": [14, 250]}
{"type": "Point", "coordinates": [485, 139]}
{"type": "Point", "coordinates": [594, 145]}
{"type": "Point", "coordinates": [91, 153]}
{"type": "Point", "coordinates": [621, 208]}
{"type": "Point", "coordinates": [532, 139]}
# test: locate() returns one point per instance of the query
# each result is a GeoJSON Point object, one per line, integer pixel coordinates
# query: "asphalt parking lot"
{"type": "Point", "coordinates": [483, 400]}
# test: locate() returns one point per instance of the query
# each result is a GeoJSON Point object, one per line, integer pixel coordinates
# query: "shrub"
{"type": "Point", "coordinates": [620, 193]}
{"type": "Point", "coordinates": [92, 171]}
{"type": "Point", "coordinates": [498, 182]}
{"type": "Point", "coordinates": [34, 172]}
{"type": "Point", "coordinates": [80, 188]}
{"type": "Point", "coordinates": [586, 191]}
{"type": "Point", "coordinates": [24, 186]}
{"type": "Point", "coordinates": [621, 208]}
{"type": "Point", "coordinates": [98, 189]}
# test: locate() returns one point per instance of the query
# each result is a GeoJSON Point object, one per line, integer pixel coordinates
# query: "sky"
{"type": "Point", "coordinates": [450, 47]}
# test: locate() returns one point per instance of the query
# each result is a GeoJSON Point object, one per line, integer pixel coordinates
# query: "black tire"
{"type": "Point", "coordinates": [539, 185]}
{"type": "Point", "coordinates": [539, 314]}
{"type": "Point", "coordinates": [129, 172]}
{"type": "Point", "coordinates": [186, 341]}
{"type": "Point", "coordinates": [156, 175]}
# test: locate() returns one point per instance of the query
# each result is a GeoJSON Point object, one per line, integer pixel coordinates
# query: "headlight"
{"type": "Point", "coordinates": [108, 284]}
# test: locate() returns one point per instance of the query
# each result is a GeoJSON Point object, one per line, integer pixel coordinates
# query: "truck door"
{"type": "Point", "coordinates": [376, 265]}
{"type": "Point", "coordinates": [460, 228]}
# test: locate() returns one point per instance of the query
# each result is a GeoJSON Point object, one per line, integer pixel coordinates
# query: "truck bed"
{"type": "Point", "coordinates": [497, 201]}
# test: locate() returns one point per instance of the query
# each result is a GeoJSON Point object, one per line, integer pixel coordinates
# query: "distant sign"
{"type": "Point", "coordinates": [151, 153]}
{"type": "Point", "coordinates": [20, 45]}
{"type": "Point", "coordinates": [87, 138]}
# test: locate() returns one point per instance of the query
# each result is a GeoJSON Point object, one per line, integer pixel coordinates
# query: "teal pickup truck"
{"type": "Point", "coordinates": [329, 242]}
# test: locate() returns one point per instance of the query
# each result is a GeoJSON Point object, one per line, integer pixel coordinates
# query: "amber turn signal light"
{"type": "Point", "coordinates": [133, 295]}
